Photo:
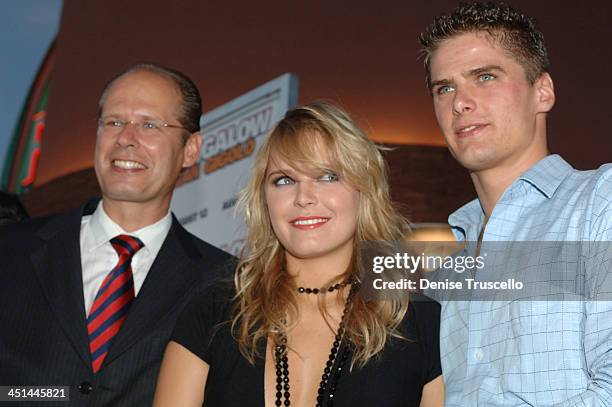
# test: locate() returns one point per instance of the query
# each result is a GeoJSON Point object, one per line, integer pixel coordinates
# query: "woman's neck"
{"type": "Point", "coordinates": [318, 272]}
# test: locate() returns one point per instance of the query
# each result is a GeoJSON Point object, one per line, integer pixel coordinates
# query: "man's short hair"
{"type": "Point", "coordinates": [191, 107]}
{"type": "Point", "coordinates": [507, 27]}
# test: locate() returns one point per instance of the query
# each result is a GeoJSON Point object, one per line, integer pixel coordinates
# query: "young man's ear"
{"type": "Point", "coordinates": [193, 145]}
{"type": "Point", "coordinates": [545, 93]}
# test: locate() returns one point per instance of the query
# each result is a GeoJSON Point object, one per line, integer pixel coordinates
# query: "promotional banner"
{"type": "Point", "coordinates": [231, 135]}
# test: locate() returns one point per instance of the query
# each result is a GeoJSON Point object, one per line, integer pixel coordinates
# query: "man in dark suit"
{"type": "Point", "coordinates": [89, 299]}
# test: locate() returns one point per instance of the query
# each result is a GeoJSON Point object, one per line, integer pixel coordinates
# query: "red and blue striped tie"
{"type": "Point", "coordinates": [112, 301]}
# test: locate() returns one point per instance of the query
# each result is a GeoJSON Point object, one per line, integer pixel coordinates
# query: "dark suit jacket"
{"type": "Point", "coordinates": [43, 333]}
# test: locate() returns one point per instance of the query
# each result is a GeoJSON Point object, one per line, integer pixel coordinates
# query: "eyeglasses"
{"type": "Point", "coordinates": [113, 125]}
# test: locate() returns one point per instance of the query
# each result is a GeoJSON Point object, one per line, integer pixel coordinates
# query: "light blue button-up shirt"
{"type": "Point", "coordinates": [540, 353]}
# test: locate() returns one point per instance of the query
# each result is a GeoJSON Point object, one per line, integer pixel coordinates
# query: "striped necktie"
{"type": "Point", "coordinates": [112, 301]}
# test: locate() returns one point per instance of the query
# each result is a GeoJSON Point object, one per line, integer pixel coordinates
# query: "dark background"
{"type": "Point", "coordinates": [363, 55]}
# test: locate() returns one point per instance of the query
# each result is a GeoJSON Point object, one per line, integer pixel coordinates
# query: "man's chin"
{"type": "Point", "coordinates": [124, 195]}
{"type": "Point", "coordinates": [475, 161]}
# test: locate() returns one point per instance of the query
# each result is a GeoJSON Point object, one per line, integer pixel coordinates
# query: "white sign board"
{"type": "Point", "coordinates": [231, 136]}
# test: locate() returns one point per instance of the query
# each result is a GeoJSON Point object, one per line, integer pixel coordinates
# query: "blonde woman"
{"type": "Point", "coordinates": [294, 328]}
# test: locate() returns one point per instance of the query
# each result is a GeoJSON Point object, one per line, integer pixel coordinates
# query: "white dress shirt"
{"type": "Point", "coordinates": [98, 257]}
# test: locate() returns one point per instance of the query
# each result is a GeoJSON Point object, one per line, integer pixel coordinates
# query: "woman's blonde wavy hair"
{"type": "Point", "coordinates": [265, 293]}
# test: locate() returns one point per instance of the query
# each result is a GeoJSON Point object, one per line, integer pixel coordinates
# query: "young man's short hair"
{"type": "Point", "coordinates": [507, 27]}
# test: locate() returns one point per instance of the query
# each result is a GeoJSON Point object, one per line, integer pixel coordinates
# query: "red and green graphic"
{"type": "Point", "coordinates": [21, 162]}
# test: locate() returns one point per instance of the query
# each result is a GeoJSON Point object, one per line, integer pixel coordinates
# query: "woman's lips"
{"type": "Point", "coordinates": [307, 223]}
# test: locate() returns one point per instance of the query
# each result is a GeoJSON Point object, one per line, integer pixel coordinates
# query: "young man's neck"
{"type": "Point", "coordinates": [491, 183]}
{"type": "Point", "coordinates": [132, 216]}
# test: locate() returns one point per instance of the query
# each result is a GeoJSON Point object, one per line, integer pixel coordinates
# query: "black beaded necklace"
{"type": "Point", "coordinates": [323, 290]}
{"type": "Point", "coordinates": [282, 363]}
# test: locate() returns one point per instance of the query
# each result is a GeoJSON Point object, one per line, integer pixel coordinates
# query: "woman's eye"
{"type": "Point", "coordinates": [284, 180]}
{"type": "Point", "coordinates": [329, 177]}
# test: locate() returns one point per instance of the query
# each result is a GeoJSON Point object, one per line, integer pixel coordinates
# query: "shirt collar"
{"type": "Point", "coordinates": [465, 219]}
{"type": "Point", "coordinates": [103, 229]}
{"type": "Point", "coordinates": [545, 176]}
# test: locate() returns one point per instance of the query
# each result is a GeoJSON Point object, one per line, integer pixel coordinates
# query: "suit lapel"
{"type": "Point", "coordinates": [57, 264]}
{"type": "Point", "coordinates": [169, 279]}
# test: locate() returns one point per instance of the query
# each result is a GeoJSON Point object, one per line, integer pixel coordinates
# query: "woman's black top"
{"type": "Point", "coordinates": [395, 378]}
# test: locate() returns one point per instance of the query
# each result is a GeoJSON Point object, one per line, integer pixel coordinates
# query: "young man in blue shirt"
{"type": "Point", "coordinates": [488, 72]}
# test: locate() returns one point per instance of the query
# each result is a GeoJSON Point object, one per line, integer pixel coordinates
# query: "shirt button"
{"type": "Point", "coordinates": [85, 387]}
{"type": "Point", "coordinates": [479, 355]}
